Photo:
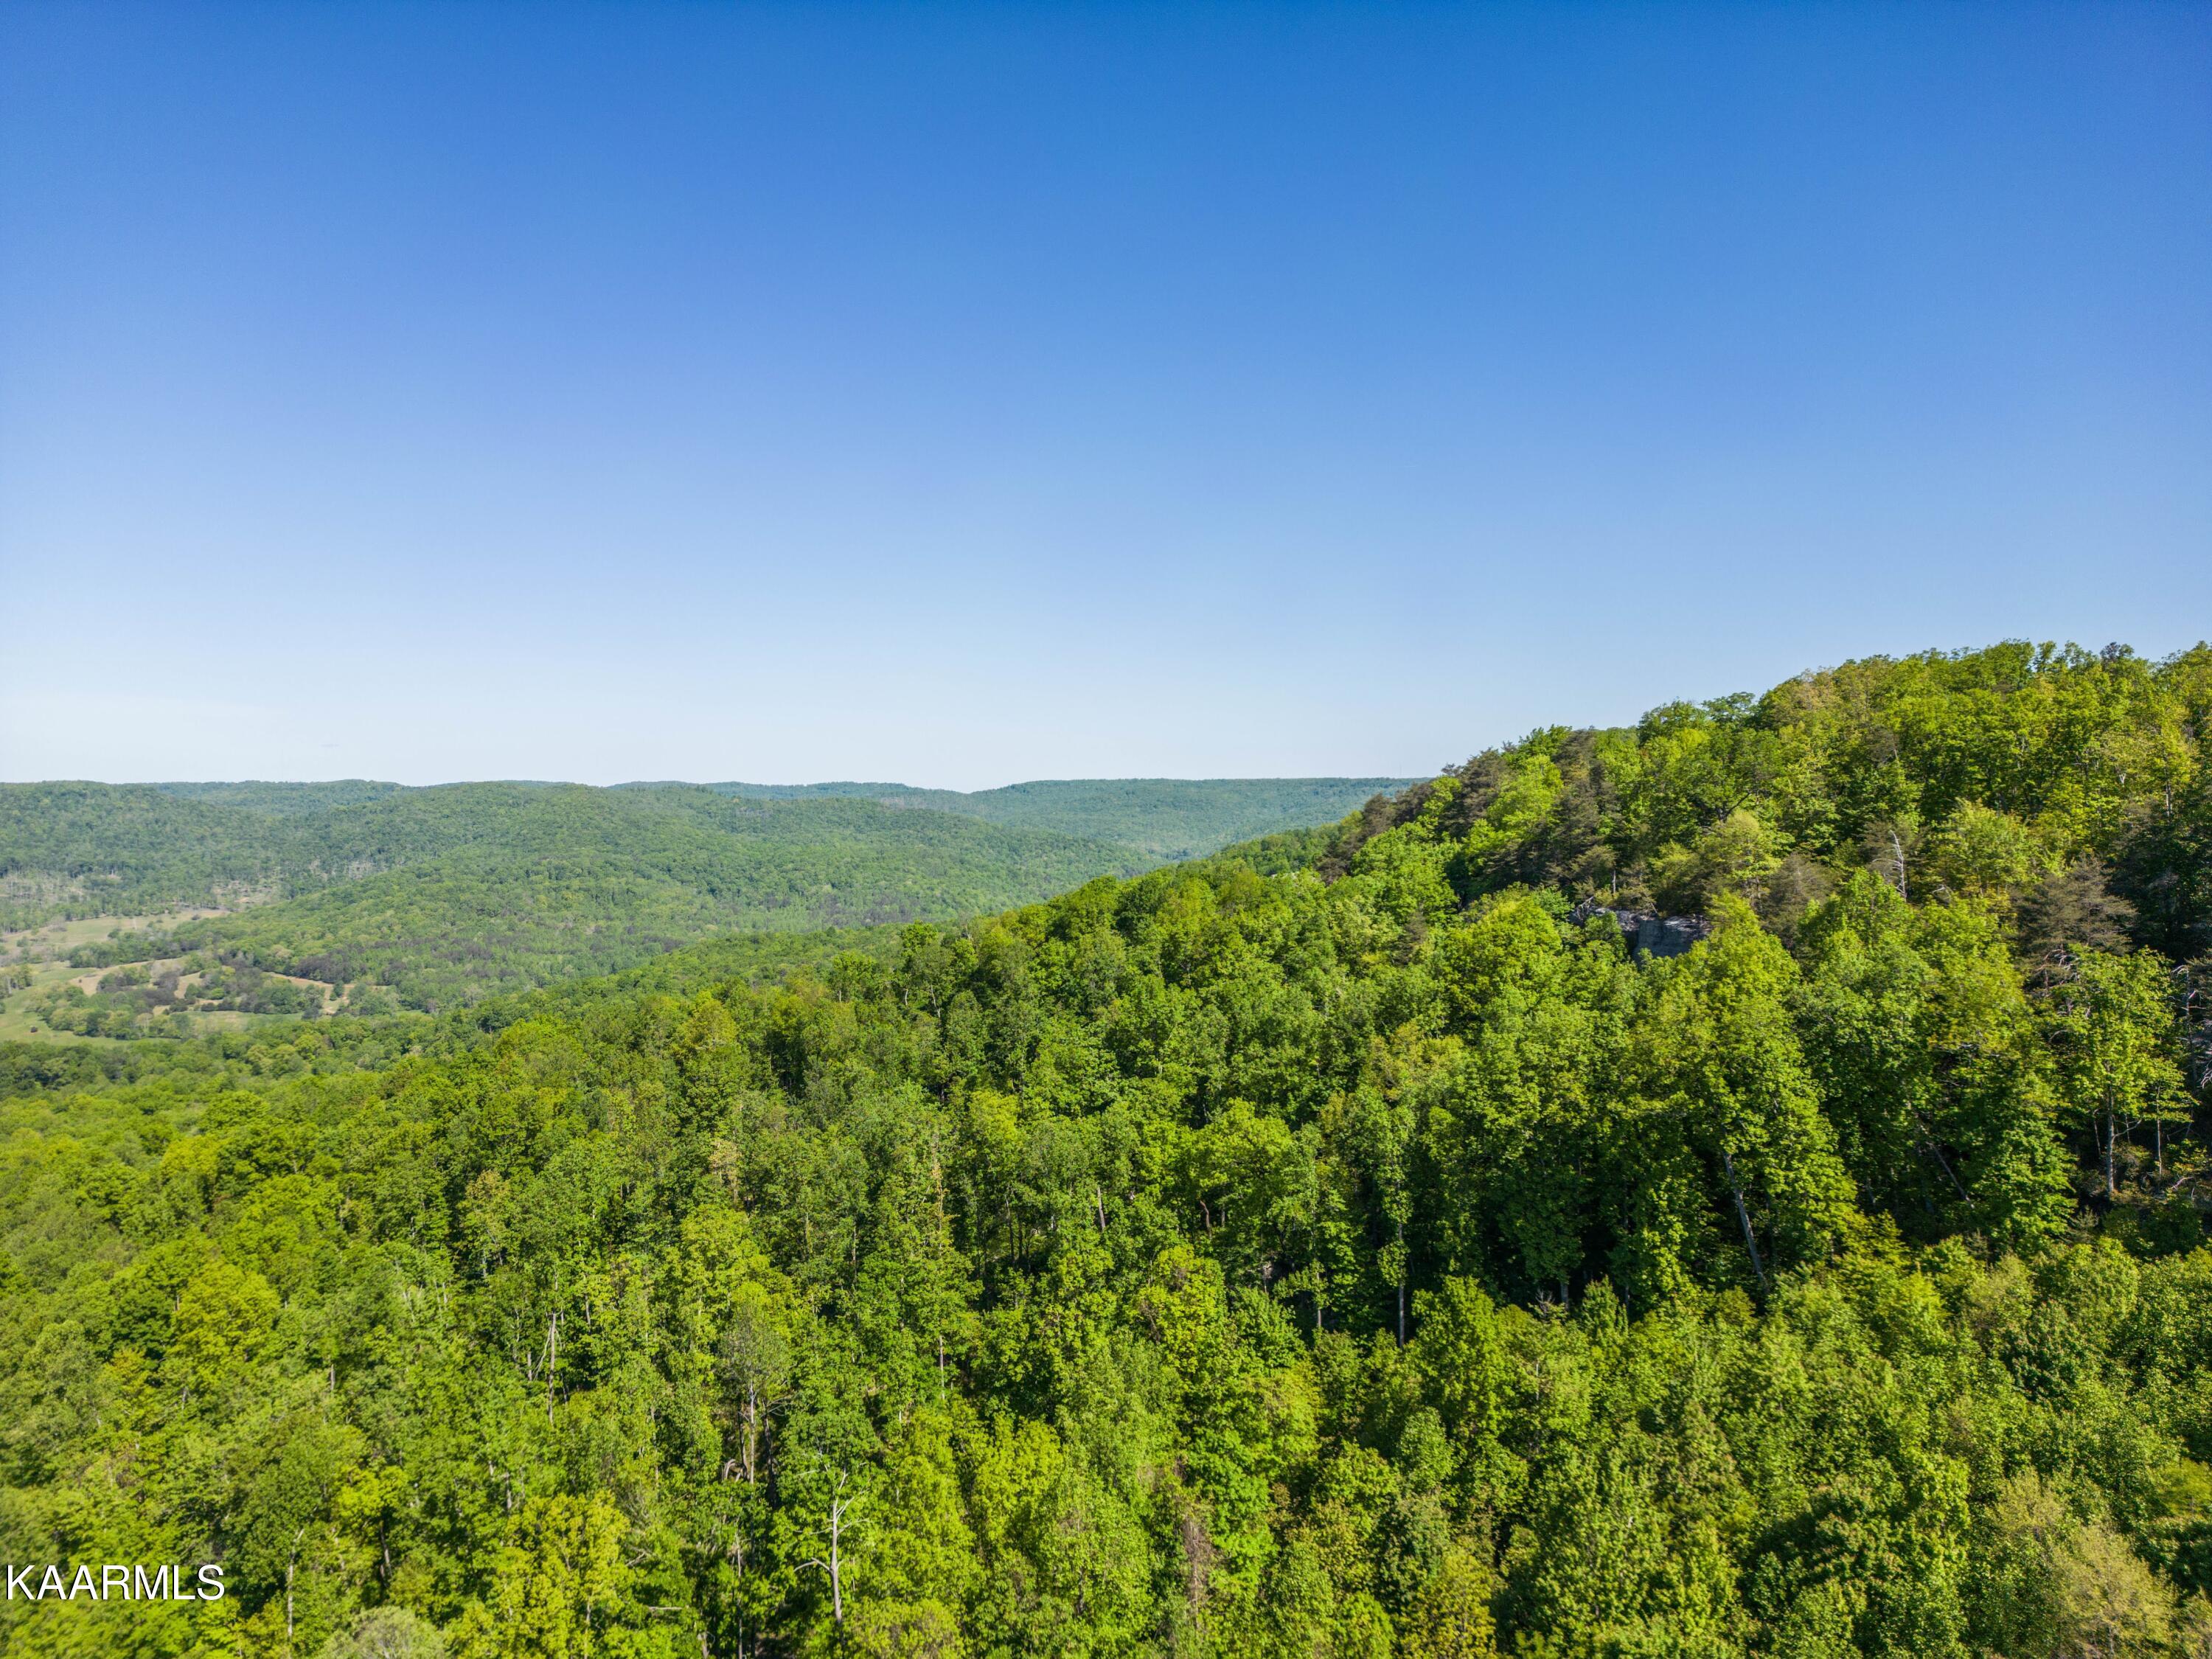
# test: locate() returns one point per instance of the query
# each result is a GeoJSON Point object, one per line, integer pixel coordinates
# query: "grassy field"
{"type": "Point", "coordinates": [44, 952]}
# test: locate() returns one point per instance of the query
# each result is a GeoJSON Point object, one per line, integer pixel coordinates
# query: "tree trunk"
{"type": "Point", "coordinates": [1402, 1284]}
{"type": "Point", "coordinates": [1743, 1215]}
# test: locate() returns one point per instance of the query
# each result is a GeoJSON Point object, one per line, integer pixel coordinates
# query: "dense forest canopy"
{"type": "Point", "coordinates": [1349, 1245]}
{"type": "Point", "coordinates": [288, 800]}
{"type": "Point", "coordinates": [96, 847]}
{"type": "Point", "coordinates": [1160, 818]}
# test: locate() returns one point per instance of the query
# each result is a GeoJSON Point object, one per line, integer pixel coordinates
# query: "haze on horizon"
{"type": "Point", "coordinates": [962, 395]}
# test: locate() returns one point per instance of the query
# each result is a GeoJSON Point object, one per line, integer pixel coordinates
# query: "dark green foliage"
{"type": "Point", "coordinates": [285, 799]}
{"type": "Point", "coordinates": [96, 849]}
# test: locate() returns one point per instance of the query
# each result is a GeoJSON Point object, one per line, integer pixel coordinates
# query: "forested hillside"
{"type": "Point", "coordinates": [287, 799]}
{"type": "Point", "coordinates": [507, 912]}
{"type": "Point", "coordinates": [71, 849]}
{"type": "Point", "coordinates": [440, 895]}
{"type": "Point", "coordinates": [79, 848]}
{"type": "Point", "coordinates": [1377, 1257]}
{"type": "Point", "coordinates": [1160, 819]}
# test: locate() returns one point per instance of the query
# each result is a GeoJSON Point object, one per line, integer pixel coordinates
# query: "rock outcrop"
{"type": "Point", "coordinates": [1647, 933]}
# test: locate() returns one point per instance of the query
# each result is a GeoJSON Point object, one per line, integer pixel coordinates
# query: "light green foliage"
{"type": "Point", "coordinates": [1977, 774]}
{"type": "Point", "coordinates": [1523, 800]}
{"type": "Point", "coordinates": [1937, 1084]}
{"type": "Point", "coordinates": [387, 1632]}
{"type": "Point", "coordinates": [2118, 1049]}
{"type": "Point", "coordinates": [561, 1590]}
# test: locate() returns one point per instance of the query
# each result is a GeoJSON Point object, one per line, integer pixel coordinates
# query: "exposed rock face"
{"type": "Point", "coordinates": [1647, 933]}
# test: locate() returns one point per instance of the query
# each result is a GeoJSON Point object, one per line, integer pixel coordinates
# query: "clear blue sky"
{"type": "Point", "coordinates": [965, 394]}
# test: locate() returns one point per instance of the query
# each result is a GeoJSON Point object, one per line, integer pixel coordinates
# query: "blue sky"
{"type": "Point", "coordinates": [966, 394]}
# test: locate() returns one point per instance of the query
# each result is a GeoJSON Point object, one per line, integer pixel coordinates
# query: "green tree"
{"type": "Point", "coordinates": [2113, 1026]}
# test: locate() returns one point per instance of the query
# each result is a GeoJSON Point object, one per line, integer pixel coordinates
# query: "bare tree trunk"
{"type": "Point", "coordinates": [552, 1359]}
{"type": "Point", "coordinates": [840, 1507]}
{"type": "Point", "coordinates": [291, 1567]}
{"type": "Point", "coordinates": [1743, 1215]}
{"type": "Point", "coordinates": [1402, 1284]}
{"type": "Point", "coordinates": [752, 1428]}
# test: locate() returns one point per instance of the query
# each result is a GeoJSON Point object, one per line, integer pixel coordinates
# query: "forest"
{"type": "Point", "coordinates": [424, 898]}
{"type": "Point", "coordinates": [1162, 820]}
{"type": "Point", "coordinates": [1363, 1242]}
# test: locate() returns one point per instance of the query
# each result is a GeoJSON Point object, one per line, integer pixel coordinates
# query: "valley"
{"type": "Point", "coordinates": [426, 899]}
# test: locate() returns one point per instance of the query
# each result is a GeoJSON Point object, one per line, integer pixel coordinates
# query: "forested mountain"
{"type": "Point", "coordinates": [86, 848]}
{"type": "Point", "coordinates": [464, 890]}
{"type": "Point", "coordinates": [482, 919]}
{"type": "Point", "coordinates": [1160, 819]}
{"type": "Point", "coordinates": [95, 848]}
{"type": "Point", "coordinates": [1376, 1257]}
{"type": "Point", "coordinates": [288, 798]}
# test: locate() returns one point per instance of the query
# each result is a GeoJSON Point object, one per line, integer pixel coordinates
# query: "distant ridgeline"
{"type": "Point", "coordinates": [1162, 820]}
{"type": "Point", "coordinates": [461, 890]}
{"type": "Point", "coordinates": [1732, 1186]}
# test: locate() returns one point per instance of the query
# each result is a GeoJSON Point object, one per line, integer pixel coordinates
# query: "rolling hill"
{"type": "Point", "coordinates": [1163, 819]}
{"type": "Point", "coordinates": [457, 891]}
